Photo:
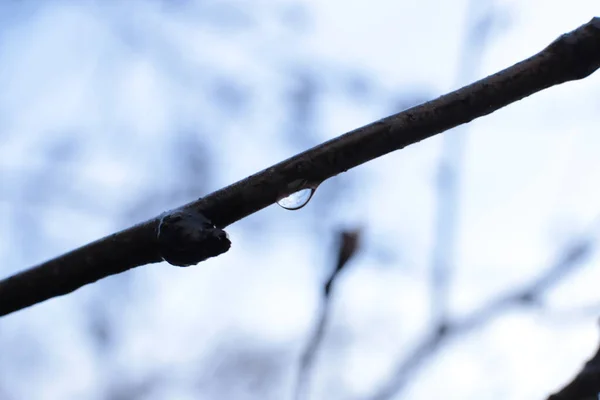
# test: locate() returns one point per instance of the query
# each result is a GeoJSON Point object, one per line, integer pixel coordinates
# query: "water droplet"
{"type": "Point", "coordinates": [297, 199]}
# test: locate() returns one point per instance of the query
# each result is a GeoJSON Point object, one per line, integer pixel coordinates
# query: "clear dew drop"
{"type": "Point", "coordinates": [297, 200]}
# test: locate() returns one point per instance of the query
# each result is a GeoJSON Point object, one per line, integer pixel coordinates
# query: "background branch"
{"type": "Point", "coordinates": [347, 247]}
{"type": "Point", "coordinates": [572, 56]}
{"type": "Point", "coordinates": [569, 260]}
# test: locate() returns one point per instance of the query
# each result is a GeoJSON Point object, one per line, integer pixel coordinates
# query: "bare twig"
{"type": "Point", "coordinates": [348, 244]}
{"type": "Point", "coordinates": [572, 56]}
{"type": "Point", "coordinates": [530, 294]}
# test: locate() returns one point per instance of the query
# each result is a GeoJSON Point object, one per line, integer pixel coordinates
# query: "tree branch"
{"type": "Point", "coordinates": [572, 56]}
{"type": "Point", "coordinates": [180, 237]}
{"type": "Point", "coordinates": [571, 258]}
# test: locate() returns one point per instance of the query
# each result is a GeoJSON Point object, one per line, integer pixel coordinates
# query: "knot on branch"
{"type": "Point", "coordinates": [186, 237]}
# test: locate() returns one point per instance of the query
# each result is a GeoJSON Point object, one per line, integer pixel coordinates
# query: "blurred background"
{"type": "Point", "coordinates": [460, 267]}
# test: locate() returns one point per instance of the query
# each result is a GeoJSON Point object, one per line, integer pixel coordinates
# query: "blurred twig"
{"type": "Point", "coordinates": [568, 261]}
{"type": "Point", "coordinates": [450, 166]}
{"type": "Point", "coordinates": [572, 56]}
{"type": "Point", "coordinates": [348, 245]}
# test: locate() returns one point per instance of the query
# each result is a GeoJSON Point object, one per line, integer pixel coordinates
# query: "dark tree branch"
{"type": "Point", "coordinates": [180, 237]}
{"type": "Point", "coordinates": [572, 56]}
{"type": "Point", "coordinates": [571, 258]}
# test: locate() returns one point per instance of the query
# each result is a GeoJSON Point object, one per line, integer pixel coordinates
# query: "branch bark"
{"type": "Point", "coordinates": [572, 56]}
{"type": "Point", "coordinates": [531, 294]}
{"type": "Point", "coordinates": [349, 242]}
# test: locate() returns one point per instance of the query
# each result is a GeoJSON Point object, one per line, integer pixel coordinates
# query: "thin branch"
{"type": "Point", "coordinates": [570, 259]}
{"type": "Point", "coordinates": [348, 244]}
{"type": "Point", "coordinates": [572, 56]}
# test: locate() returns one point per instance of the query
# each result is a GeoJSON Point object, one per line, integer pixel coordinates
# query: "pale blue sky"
{"type": "Point", "coordinates": [122, 79]}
